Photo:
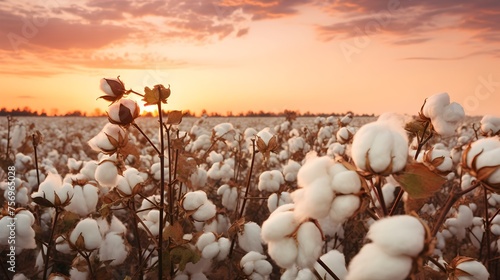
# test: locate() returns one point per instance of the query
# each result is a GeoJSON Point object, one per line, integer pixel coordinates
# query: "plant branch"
{"type": "Point", "coordinates": [325, 267]}
{"type": "Point", "coordinates": [147, 138]}
{"type": "Point", "coordinates": [161, 154]}
{"type": "Point", "coordinates": [49, 245]}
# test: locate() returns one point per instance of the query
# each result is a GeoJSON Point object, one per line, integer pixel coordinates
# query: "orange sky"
{"type": "Point", "coordinates": [239, 55]}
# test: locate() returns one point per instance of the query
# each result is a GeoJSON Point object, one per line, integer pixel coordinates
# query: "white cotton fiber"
{"type": "Point", "coordinates": [284, 252]}
{"type": "Point", "coordinates": [343, 207]}
{"type": "Point", "coordinates": [210, 251]}
{"type": "Point", "coordinates": [90, 232]}
{"type": "Point", "coordinates": [193, 200]}
{"type": "Point", "coordinates": [372, 263]}
{"type": "Point", "coordinates": [205, 212]}
{"type": "Point", "coordinates": [398, 235]}
{"type": "Point", "coordinates": [314, 168]}
{"type": "Point", "coordinates": [113, 248]}
{"type": "Point", "coordinates": [278, 225]}
{"type": "Point", "coordinates": [249, 239]}
{"type": "Point", "coordinates": [309, 241]}
{"type": "Point", "coordinates": [106, 174]}
{"type": "Point", "coordinates": [315, 199]}
{"type": "Point", "coordinates": [464, 216]}
{"type": "Point", "coordinates": [346, 182]}
{"type": "Point", "coordinates": [335, 260]}
{"type": "Point", "coordinates": [476, 270]}
{"type": "Point", "coordinates": [204, 240]}
{"type": "Point", "coordinates": [224, 247]}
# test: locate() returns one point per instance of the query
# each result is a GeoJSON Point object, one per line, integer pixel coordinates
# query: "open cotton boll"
{"type": "Point", "coordinates": [256, 266]}
{"type": "Point", "coordinates": [315, 199]}
{"type": "Point", "coordinates": [49, 187]}
{"type": "Point", "coordinates": [89, 230]}
{"type": "Point", "coordinates": [106, 173]}
{"type": "Point", "coordinates": [373, 263]}
{"type": "Point", "coordinates": [475, 269]}
{"type": "Point", "coordinates": [444, 155]}
{"type": "Point", "coordinates": [344, 134]}
{"type": "Point", "coordinates": [398, 235]}
{"type": "Point", "coordinates": [335, 260]}
{"type": "Point", "coordinates": [205, 212]}
{"type": "Point", "coordinates": [249, 239]}
{"type": "Point", "coordinates": [25, 235]}
{"type": "Point", "coordinates": [284, 252]}
{"type": "Point", "coordinates": [314, 168]}
{"type": "Point", "coordinates": [298, 144]}
{"type": "Point", "coordinates": [490, 125]}
{"type": "Point", "coordinates": [113, 248]}
{"type": "Point", "coordinates": [464, 216]}
{"type": "Point", "coordinates": [214, 157]}
{"type": "Point", "coordinates": [62, 245]}
{"type": "Point", "coordinates": [290, 170]}
{"type": "Point", "coordinates": [210, 251]}
{"type": "Point", "coordinates": [224, 248]}
{"type": "Point", "coordinates": [346, 182]}
{"type": "Point", "coordinates": [84, 200]}
{"type": "Point", "coordinates": [444, 115]}
{"type": "Point", "coordinates": [276, 200]}
{"type": "Point", "coordinates": [309, 243]}
{"type": "Point", "coordinates": [335, 149]}
{"type": "Point", "coordinates": [224, 130]}
{"type": "Point", "coordinates": [279, 224]}
{"type": "Point", "coordinates": [380, 147]}
{"type": "Point", "coordinates": [270, 181]}
{"type": "Point", "coordinates": [343, 207]}
{"type": "Point", "coordinates": [229, 196]}
{"type": "Point", "coordinates": [88, 169]}
{"type": "Point", "coordinates": [205, 239]}
{"type": "Point", "coordinates": [220, 171]}
{"type": "Point", "coordinates": [266, 135]}
{"type": "Point", "coordinates": [193, 200]}
{"type": "Point", "coordinates": [198, 178]}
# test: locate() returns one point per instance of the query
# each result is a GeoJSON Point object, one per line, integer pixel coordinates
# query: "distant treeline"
{"type": "Point", "coordinates": [27, 112]}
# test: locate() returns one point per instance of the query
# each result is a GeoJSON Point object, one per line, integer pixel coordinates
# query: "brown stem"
{"type": "Point", "coordinates": [136, 233]}
{"type": "Point", "coordinates": [161, 154]}
{"type": "Point", "coordinates": [486, 229]}
{"type": "Point", "coordinates": [396, 202]}
{"type": "Point", "coordinates": [36, 160]}
{"type": "Point", "coordinates": [452, 198]}
{"type": "Point", "coordinates": [49, 245]}
{"type": "Point", "coordinates": [325, 267]}
{"type": "Point", "coordinates": [380, 195]}
{"type": "Point", "coordinates": [147, 138]}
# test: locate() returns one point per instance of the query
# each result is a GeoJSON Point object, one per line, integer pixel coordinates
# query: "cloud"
{"type": "Point", "coordinates": [494, 53]}
{"type": "Point", "coordinates": [26, 97]}
{"type": "Point", "coordinates": [408, 18]}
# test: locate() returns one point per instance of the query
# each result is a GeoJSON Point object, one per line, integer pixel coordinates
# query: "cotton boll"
{"type": "Point", "coordinates": [270, 181]}
{"type": "Point", "coordinates": [229, 196]}
{"type": "Point", "coordinates": [315, 200]}
{"type": "Point", "coordinates": [398, 235]}
{"type": "Point", "coordinates": [284, 252]}
{"type": "Point", "coordinates": [89, 230]}
{"type": "Point", "coordinates": [384, 144]}
{"type": "Point", "coordinates": [279, 224]}
{"type": "Point", "coordinates": [343, 207]}
{"type": "Point", "coordinates": [314, 168]}
{"type": "Point", "coordinates": [275, 200]}
{"type": "Point", "coordinates": [444, 116]}
{"type": "Point", "coordinates": [344, 134]}
{"type": "Point", "coordinates": [475, 269]}
{"type": "Point", "coordinates": [205, 239]}
{"type": "Point", "coordinates": [224, 130]}
{"type": "Point", "coordinates": [62, 245]}
{"type": "Point", "coordinates": [373, 263]}
{"type": "Point", "coordinates": [309, 241]}
{"type": "Point", "coordinates": [193, 200]}
{"type": "Point", "coordinates": [205, 212]}
{"type": "Point", "coordinates": [290, 170]}
{"type": "Point", "coordinates": [249, 239]}
{"type": "Point", "coordinates": [84, 200]}
{"type": "Point", "coordinates": [214, 157]}
{"type": "Point", "coordinates": [88, 169]}
{"type": "Point", "coordinates": [335, 261]}
{"type": "Point", "coordinates": [224, 248]}
{"type": "Point", "coordinates": [464, 216]}
{"type": "Point", "coordinates": [113, 248]}
{"type": "Point", "coordinates": [490, 125]}
{"type": "Point", "coordinates": [346, 182]}
{"type": "Point", "coordinates": [106, 173]}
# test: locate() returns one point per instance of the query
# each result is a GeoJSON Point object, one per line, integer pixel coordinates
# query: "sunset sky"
{"type": "Point", "coordinates": [237, 55]}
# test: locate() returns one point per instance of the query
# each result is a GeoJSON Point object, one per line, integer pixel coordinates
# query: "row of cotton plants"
{"type": "Point", "coordinates": [394, 197]}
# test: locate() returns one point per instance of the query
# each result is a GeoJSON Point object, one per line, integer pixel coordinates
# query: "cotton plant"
{"type": "Point", "coordinates": [249, 238]}
{"type": "Point", "coordinates": [84, 199]}
{"type": "Point", "coordinates": [345, 134]}
{"type": "Point", "coordinates": [438, 159]}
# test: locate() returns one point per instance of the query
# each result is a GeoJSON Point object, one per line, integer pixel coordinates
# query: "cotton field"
{"type": "Point", "coordinates": [129, 197]}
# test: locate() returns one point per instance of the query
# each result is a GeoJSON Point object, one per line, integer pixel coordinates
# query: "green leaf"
{"type": "Point", "coordinates": [183, 255]}
{"type": "Point", "coordinates": [419, 182]}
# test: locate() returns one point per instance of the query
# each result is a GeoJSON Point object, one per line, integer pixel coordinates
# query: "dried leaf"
{"type": "Point", "coordinates": [158, 94]}
{"type": "Point", "coordinates": [174, 117]}
{"type": "Point", "coordinates": [42, 201]}
{"type": "Point", "coordinates": [125, 115]}
{"type": "Point", "coordinates": [418, 181]}
{"type": "Point", "coordinates": [80, 242]}
{"type": "Point", "coordinates": [175, 232]}
{"type": "Point", "coordinates": [236, 227]}
{"type": "Point", "coordinates": [182, 255]}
